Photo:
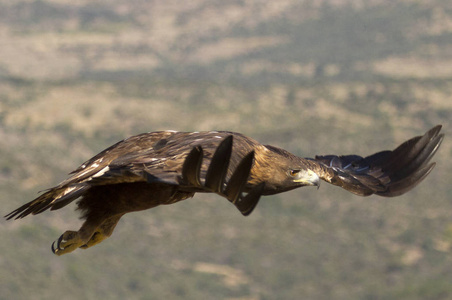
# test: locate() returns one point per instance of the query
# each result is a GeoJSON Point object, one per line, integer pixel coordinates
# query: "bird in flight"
{"type": "Point", "coordinates": [165, 167]}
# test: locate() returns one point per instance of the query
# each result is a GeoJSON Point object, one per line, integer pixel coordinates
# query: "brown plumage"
{"type": "Point", "coordinates": [165, 167]}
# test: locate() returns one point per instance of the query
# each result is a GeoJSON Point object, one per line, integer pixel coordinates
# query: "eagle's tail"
{"type": "Point", "coordinates": [386, 173]}
{"type": "Point", "coordinates": [53, 198]}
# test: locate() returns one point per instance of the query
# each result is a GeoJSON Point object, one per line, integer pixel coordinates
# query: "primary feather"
{"type": "Point", "coordinates": [165, 167]}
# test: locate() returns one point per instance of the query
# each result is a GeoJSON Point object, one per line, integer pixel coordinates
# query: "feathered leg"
{"type": "Point", "coordinates": [103, 231]}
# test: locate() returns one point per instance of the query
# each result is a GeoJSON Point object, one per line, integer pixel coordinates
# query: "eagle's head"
{"type": "Point", "coordinates": [281, 171]}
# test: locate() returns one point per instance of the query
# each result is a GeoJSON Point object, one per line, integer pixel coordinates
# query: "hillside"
{"type": "Point", "coordinates": [313, 77]}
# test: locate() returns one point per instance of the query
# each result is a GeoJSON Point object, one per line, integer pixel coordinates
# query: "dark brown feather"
{"type": "Point", "coordinates": [165, 167]}
{"type": "Point", "coordinates": [386, 173]}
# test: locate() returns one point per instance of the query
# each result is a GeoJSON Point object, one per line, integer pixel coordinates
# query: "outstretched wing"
{"type": "Point", "coordinates": [80, 180]}
{"type": "Point", "coordinates": [386, 173]}
{"type": "Point", "coordinates": [160, 157]}
{"type": "Point", "coordinates": [215, 178]}
{"type": "Point", "coordinates": [203, 162]}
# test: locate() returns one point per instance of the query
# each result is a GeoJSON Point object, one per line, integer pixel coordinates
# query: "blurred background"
{"type": "Point", "coordinates": [313, 77]}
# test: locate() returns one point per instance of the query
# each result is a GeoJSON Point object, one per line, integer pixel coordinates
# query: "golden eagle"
{"type": "Point", "coordinates": [165, 167]}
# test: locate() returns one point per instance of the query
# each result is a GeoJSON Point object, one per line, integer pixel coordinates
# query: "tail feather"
{"type": "Point", "coordinates": [54, 198]}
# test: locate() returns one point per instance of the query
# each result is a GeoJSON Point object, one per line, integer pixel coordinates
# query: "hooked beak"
{"type": "Point", "coordinates": [309, 178]}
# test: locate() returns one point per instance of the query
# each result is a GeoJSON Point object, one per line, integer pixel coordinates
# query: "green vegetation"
{"type": "Point", "coordinates": [343, 78]}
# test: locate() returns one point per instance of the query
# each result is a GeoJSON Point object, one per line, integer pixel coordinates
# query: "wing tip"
{"type": "Point", "coordinates": [401, 187]}
{"type": "Point", "coordinates": [399, 170]}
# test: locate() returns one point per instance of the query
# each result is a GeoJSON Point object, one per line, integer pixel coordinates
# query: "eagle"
{"type": "Point", "coordinates": [164, 167]}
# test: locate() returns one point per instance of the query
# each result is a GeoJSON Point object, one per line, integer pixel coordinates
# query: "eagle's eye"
{"type": "Point", "coordinates": [293, 173]}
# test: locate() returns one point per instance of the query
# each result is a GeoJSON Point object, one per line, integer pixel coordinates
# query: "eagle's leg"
{"type": "Point", "coordinates": [71, 240]}
{"type": "Point", "coordinates": [103, 231]}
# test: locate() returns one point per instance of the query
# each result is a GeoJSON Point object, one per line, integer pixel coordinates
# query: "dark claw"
{"type": "Point", "coordinates": [57, 248]}
{"type": "Point", "coordinates": [54, 250]}
{"type": "Point", "coordinates": [219, 166]}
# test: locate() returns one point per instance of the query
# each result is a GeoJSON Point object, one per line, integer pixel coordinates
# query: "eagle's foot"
{"type": "Point", "coordinates": [95, 239]}
{"type": "Point", "coordinates": [67, 242]}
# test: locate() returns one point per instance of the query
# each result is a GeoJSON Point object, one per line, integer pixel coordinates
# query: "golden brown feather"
{"type": "Point", "coordinates": [165, 167]}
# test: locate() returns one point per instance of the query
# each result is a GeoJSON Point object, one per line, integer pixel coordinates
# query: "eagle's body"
{"type": "Point", "coordinates": [165, 167]}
